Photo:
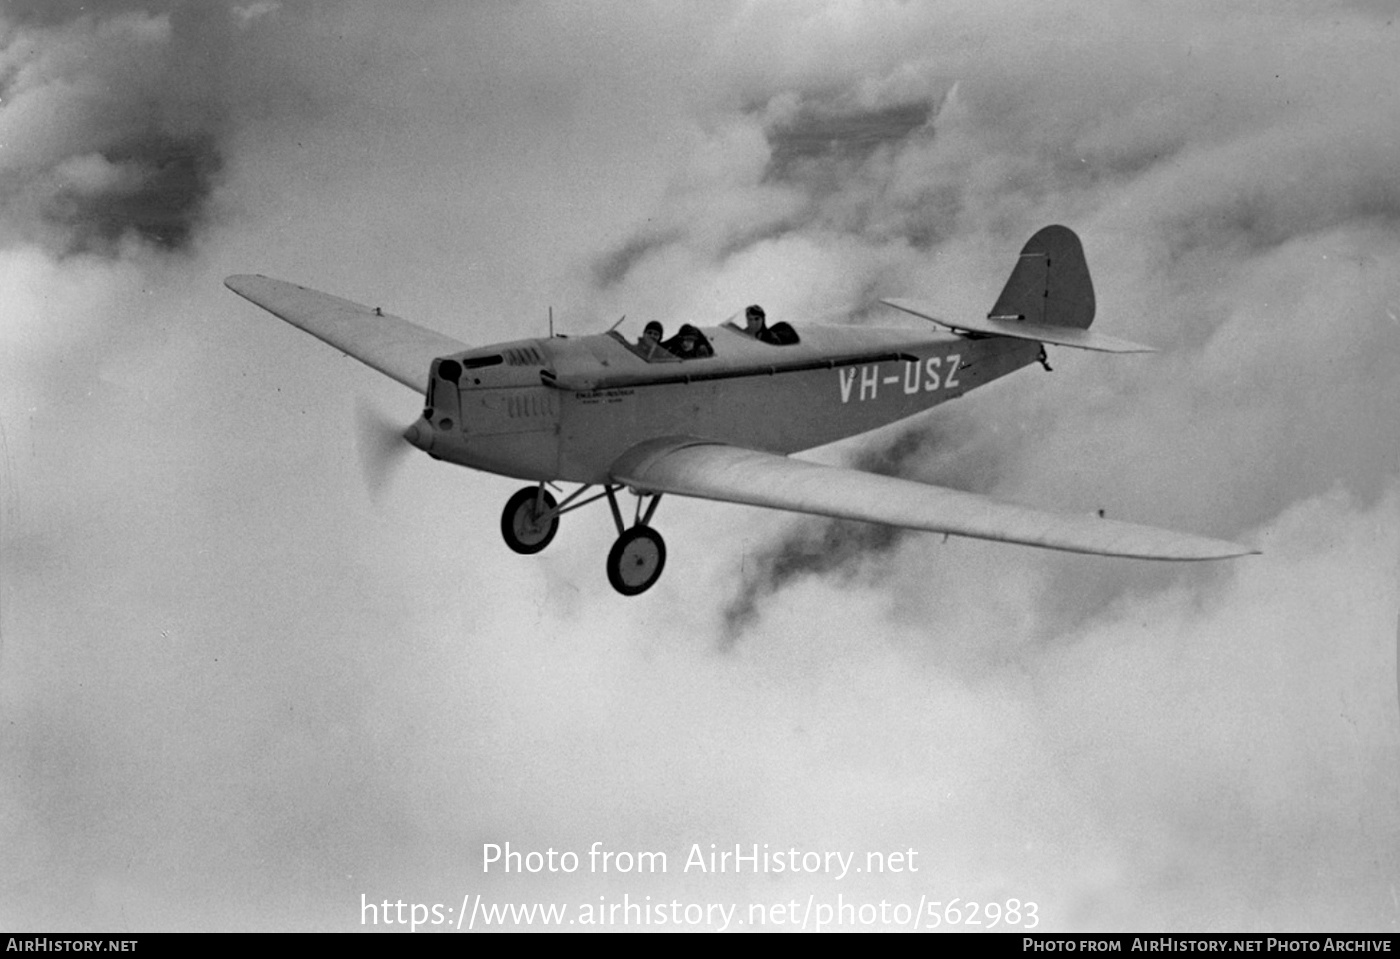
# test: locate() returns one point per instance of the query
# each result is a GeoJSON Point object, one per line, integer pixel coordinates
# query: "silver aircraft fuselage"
{"type": "Point", "coordinates": [567, 408]}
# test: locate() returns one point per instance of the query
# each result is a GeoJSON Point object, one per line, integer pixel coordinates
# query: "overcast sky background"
{"type": "Point", "coordinates": [237, 691]}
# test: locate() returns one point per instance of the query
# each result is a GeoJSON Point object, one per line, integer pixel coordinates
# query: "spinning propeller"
{"type": "Point", "coordinates": [382, 446]}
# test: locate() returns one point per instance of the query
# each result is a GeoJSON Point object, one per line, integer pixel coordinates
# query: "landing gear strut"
{"type": "Point", "coordinates": [637, 558]}
{"type": "Point", "coordinates": [531, 518]}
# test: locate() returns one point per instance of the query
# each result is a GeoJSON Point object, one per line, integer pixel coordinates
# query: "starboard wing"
{"type": "Point", "coordinates": [395, 347]}
{"type": "Point", "coordinates": [707, 470]}
{"type": "Point", "coordinates": [1044, 333]}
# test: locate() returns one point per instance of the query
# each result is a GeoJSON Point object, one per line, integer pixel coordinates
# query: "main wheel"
{"type": "Point", "coordinates": [524, 532]}
{"type": "Point", "coordinates": [636, 560]}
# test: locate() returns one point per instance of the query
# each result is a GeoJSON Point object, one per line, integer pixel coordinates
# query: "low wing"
{"type": "Point", "coordinates": [393, 346]}
{"type": "Point", "coordinates": [1021, 330]}
{"type": "Point", "coordinates": [715, 471]}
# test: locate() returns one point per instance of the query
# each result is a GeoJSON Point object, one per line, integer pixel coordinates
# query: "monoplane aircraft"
{"type": "Point", "coordinates": [714, 411]}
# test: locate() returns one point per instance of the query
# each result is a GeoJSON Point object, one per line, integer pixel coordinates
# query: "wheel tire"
{"type": "Point", "coordinates": [636, 560]}
{"type": "Point", "coordinates": [518, 526]}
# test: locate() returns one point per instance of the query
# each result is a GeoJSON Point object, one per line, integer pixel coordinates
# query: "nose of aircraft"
{"type": "Point", "coordinates": [420, 434]}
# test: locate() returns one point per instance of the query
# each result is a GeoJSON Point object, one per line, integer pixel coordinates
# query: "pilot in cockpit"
{"type": "Point", "coordinates": [650, 342]}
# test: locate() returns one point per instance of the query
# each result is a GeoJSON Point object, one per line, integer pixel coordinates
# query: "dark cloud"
{"type": "Point", "coordinates": [814, 151]}
{"type": "Point", "coordinates": [836, 548]}
{"type": "Point", "coordinates": [819, 143]}
{"type": "Point", "coordinates": [117, 117]}
{"type": "Point", "coordinates": [115, 127]}
{"type": "Point", "coordinates": [613, 266]}
{"type": "Point", "coordinates": [946, 451]}
{"type": "Point", "coordinates": [161, 197]}
{"type": "Point", "coordinates": [49, 13]}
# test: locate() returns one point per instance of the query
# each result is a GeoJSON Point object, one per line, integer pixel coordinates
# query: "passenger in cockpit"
{"type": "Point", "coordinates": [688, 344]}
{"type": "Point", "coordinates": [755, 325]}
{"type": "Point", "coordinates": [754, 322]}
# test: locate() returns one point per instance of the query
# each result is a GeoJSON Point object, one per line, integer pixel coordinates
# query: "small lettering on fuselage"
{"type": "Point", "coordinates": [603, 396]}
{"type": "Point", "coordinates": [935, 373]}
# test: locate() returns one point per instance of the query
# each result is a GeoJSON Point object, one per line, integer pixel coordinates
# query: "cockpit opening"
{"type": "Point", "coordinates": [688, 344]}
{"type": "Point", "coordinates": [756, 325]}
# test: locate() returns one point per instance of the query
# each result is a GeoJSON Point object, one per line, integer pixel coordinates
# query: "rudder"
{"type": "Point", "coordinates": [1050, 284]}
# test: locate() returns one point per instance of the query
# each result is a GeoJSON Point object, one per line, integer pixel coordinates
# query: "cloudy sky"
{"type": "Point", "coordinates": [239, 689]}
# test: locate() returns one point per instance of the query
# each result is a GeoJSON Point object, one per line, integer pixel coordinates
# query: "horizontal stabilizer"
{"type": "Point", "coordinates": [1083, 339]}
{"type": "Point", "coordinates": [393, 346]}
{"type": "Point", "coordinates": [707, 470]}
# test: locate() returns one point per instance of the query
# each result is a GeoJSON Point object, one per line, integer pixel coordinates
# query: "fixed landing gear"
{"type": "Point", "coordinates": [636, 560]}
{"type": "Point", "coordinates": [531, 518]}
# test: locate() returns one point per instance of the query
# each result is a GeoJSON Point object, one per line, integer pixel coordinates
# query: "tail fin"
{"type": "Point", "coordinates": [1050, 285]}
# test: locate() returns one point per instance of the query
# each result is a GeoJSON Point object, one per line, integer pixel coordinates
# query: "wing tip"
{"type": "Point", "coordinates": [1215, 550]}
{"type": "Point", "coordinates": [240, 283]}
